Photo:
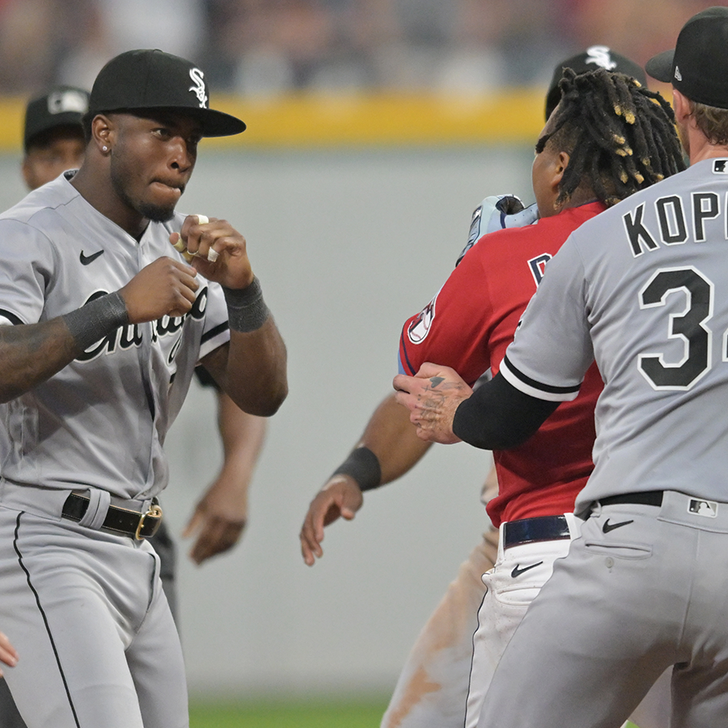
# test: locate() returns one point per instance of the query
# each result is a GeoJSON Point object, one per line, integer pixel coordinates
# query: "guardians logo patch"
{"type": "Point", "coordinates": [420, 326]}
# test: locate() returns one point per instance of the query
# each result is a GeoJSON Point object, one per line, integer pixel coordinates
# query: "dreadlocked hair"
{"type": "Point", "coordinates": [620, 136]}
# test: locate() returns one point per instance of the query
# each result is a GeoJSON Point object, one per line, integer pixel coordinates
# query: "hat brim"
{"type": "Point", "coordinates": [660, 66]}
{"type": "Point", "coordinates": [218, 123]}
{"type": "Point", "coordinates": [214, 123]}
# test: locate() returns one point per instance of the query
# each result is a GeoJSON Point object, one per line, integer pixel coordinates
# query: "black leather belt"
{"type": "Point", "coordinates": [118, 520]}
{"type": "Point", "coordinates": [646, 498]}
{"type": "Point", "coordinates": [530, 530]}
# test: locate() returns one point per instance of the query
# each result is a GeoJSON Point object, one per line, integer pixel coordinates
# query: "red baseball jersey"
{"type": "Point", "coordinates": [469, 324]}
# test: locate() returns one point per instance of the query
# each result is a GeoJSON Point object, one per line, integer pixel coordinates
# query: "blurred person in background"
{"type": "Point", "coordinates": [53, 138]}
{"type": "Point", "coordinates": [26, 44]}
{"type": "Point", "coordinates": [111, 27]}
{"type": "Point", "coordinates": [270, 47]}
{"type": "Point", "coordinates": [640, 29]}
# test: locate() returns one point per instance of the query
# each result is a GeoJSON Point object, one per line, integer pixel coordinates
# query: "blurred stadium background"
{"type": "Point", "coordinates": [374, 129]}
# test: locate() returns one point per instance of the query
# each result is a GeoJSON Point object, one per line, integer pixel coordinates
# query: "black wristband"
{"type": "Point", "coordinates": [362, 465]}
{"type": "Point", "coordinates": [246, 308]}
{"type": "Point", "coordinates": [96, 319]}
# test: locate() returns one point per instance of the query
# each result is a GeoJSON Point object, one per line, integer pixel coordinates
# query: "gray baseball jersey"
{"type": "Point", "coordinates": [102, 420]}
{"type": "Point", "coordinates": [86, 607]}
{"type": "Point", "coordinates": [643, 288]}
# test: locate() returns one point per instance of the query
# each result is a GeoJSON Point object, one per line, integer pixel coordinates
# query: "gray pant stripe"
{"type": "Point", "coordinates": [45, 620]}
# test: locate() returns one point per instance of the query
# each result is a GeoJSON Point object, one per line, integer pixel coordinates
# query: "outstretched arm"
{"type": "Point", "coordinates": [222, 513]}
{"type": "Point", "coordinates": [388, 449]}
{"type": "Point", "coordinates": [390, 446]}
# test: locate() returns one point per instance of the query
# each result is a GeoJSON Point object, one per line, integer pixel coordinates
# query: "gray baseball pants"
{"type": "Point", "coordinates": [643, 589]}
{"type": "Point", "coordinates": [88, 616]}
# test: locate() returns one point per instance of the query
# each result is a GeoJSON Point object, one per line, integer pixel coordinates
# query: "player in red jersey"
{"type": "Point", "coordinates": [470, 323]}
{"type": "Point", "coordinates": [482, 303]}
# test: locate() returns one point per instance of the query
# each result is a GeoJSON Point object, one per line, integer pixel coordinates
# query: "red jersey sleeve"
{"type": "Point", "coordinates": [454, 328]}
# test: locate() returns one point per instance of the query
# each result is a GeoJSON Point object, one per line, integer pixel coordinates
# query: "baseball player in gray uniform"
{"type": "Point", "coordinates": [641, 289]}
{"type": "Point", "coordinates": [110, 299]}
{"type": "Point", "coordinates": [53, 141]}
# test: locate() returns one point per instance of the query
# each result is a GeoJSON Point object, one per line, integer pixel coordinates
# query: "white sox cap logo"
{"type": "Point", "coordinates": [60, 102]}
{"type": "Point", "coordinates": [600, 56]}
{"type": "Point", "coordinates": [199, 88]}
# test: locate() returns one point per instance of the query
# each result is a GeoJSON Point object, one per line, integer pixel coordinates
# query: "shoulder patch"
{"type": "Point", "coordinates": [420, 326]}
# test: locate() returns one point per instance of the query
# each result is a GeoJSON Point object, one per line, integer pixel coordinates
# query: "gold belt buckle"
{"type": "Point", "coordinates": [156, 512]}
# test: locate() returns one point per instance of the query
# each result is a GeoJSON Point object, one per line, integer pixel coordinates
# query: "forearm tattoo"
{"type": "Point", "coordinates": [30, 354]}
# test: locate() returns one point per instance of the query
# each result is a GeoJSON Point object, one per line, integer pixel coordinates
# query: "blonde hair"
{"type": "Point", "coordinates": [711, 121]}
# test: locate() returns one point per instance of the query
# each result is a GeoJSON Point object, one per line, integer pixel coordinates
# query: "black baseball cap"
{"type": "Point", "coordinates": [61, 106]}
{"type": "Point", "coordinates": [596, 56]}
{"type": "Point", "coordinates": [698, 67]}
{"type": "Point", "coordinates": [152, 79]}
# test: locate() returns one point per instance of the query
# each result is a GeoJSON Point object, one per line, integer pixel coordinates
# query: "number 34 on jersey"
{"type": "Point", "coordinates": [691, 325]}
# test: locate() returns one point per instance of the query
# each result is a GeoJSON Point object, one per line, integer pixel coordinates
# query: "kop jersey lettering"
{"type": "Point", "coordinates": [101, 421]}
{"type": "Point", "coordinates": [468, 326]}
{"type": "Point", "coordinates": [647, 283]}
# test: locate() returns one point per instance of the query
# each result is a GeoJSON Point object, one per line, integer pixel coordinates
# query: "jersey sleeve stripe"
{"type": "Point", "coordinates": [404, 359]}
{"type": "Point", "coordinates": [11, 317]}
{"type": "Point", "coordinates": [212, 339]}
{"type": "Point", "coordinates": [213, 332]}
{"type": "Point", "coordinates": [533, 388]}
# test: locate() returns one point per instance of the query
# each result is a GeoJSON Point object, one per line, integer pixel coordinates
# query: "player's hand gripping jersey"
{"type": "Point", "coordinates": [482, 303]}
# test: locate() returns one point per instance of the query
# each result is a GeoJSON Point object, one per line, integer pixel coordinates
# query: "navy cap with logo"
{"type": "Point", "coordinates": [596, 56]}
{"type": "Point", "coordinates": [62, 106]}
{"type": "Point", "coordinates": [698, 67]}
{"type": "Point", "coordinates": [152, 79]}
